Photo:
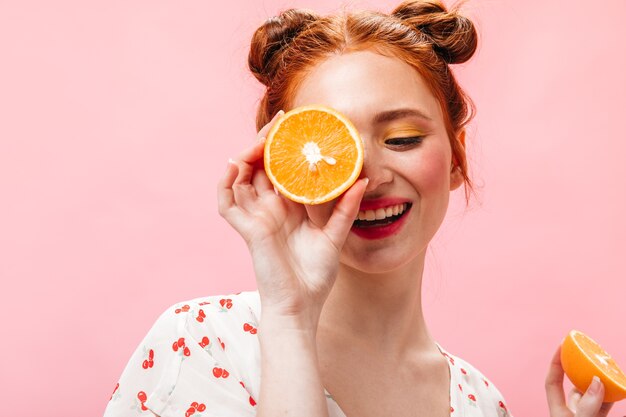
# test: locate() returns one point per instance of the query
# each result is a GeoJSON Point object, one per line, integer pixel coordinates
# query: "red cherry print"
{"type": "Point", "coordinates": [253, 331]}
{"type": "Point", "coordinates": [150, 363]}
{"type": "Point", "coordinates": [190, 412]}
{"type": "Point", "coordinates": [204, 303]}
{"type": "Point", "coordinates": [217, 372]}
{"type": "Point", "coordinates": [502, 405]}
{"type": "Point", "coordinates": [460, 387]}
{"type": "Point", "coordinates": [141, 396]}
{"type": "Point", "coordinates": [175, 346]}
{"type": "Point", "coordinates": [151, 354]}
{"type": "Point", "coordinates": [471, 397]}
{"type": "Point", "coordinates": [247, 327]}
{"type": "Point", "coordinates": [225, 374]}
{"type": "Point", "coordinates": [229, 304]}
{"type": "Point", "coordinates": [181, 342]}
{"type": "Point", "coordinates": [186, 351]}
{"type": "Point", "coordinates": [185, 307]}
{"type": "Point", "coordinates": [194, 404]}
{"type": "Point", "coordinates": [463, 371]}
{"type": "Point", "coordinates": [252, 402]}
{"type": "Point", "coordinates": [199, 319]}
{"type": "Point", "coordinates": [486, 383]}
{"type": "Point", "coordinates": [143, 407]}
{"type": "Point", "coordinates": [242, 384]}
{"type": "Point", "coordinates": [178, 310]}
{"type": "Point", "coordinates": [201, 407]}
{"type": "Point", "coordinates": [204, 342]}
{"type": "Point", "coordinates": [222, 302]}
{"type": "Point", "coordinates": [221, 343]}
{"type": "Point", "coordinates": [145, 364]}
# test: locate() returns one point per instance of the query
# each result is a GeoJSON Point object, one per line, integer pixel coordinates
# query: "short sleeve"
{"type": "Point", "coordinates": [195, 361]}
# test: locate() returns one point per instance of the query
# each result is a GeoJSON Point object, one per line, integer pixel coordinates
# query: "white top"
{"type": "Point", "coordinates": [202, 359]}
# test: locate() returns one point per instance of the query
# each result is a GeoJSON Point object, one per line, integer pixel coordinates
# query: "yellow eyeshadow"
{"type": "Point", "coordinates": [403, 132]}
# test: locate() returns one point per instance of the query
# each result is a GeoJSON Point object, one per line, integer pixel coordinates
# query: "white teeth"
{"type": "Point", "coordinates": [382, 213]}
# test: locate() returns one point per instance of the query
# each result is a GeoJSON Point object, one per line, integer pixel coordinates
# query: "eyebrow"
{"type": "Point", "coordinates": [390, 115]}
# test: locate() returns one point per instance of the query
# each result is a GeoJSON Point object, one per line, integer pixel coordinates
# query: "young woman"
{"type": "Point", "coordinates": [336, 328]}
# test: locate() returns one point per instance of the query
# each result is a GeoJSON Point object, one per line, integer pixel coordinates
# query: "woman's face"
{"type": "Point", "coordinates": [407, 155]}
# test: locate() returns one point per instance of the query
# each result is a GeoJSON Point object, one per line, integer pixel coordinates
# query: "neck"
{"type": "Point", "coordinates": [382, 311]}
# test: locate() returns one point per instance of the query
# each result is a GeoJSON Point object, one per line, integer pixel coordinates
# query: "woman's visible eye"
{"type": "Point", "coordinates": [403, 143]}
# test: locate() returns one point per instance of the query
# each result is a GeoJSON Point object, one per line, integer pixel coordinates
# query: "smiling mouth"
{"type": "Point", "coordinates": [381, 216]}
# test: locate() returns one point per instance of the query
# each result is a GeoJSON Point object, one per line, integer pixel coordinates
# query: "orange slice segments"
{"type": "Point", "coordinates": [582, 358]}
{"type": "Point", "coordinates": [313, 154]}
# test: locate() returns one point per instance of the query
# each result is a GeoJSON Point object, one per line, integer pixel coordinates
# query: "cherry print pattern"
{"type": "Point", "coordinates": [226, 303]}
{"type": "Point", "coordinates": [204, 342]}
{"type": "Point", "coordinates": [180, 344]}
{"type": "Point", "coordinates": [476, 395]}
{"type": "Point", "coordinates": [220, 372]}
{"type": "Point", "coordinates": [183, 309]}
{"type": "Point", "coordinates": [250, 399]}
{"type": "Point", "coordinates": [195, 406]}
{"type": "Point", "coordinates": [249, 327]}
{"type": "Point", "coordinates": [201, 316]}
{"type": "Point", "coordinates": [142, 397]}
{"type": "Point", "coordinates": [149, 361]}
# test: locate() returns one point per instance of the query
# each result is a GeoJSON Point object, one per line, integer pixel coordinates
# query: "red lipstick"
{"type": "Point", "coordinates": [383, 228]}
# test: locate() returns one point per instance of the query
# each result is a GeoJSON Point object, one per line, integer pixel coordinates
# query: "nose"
{"type": "Point", "coordinates": [375, 168]}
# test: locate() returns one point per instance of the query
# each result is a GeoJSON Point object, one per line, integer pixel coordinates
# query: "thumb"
{"type": "Point", "coordinates": [590, 403]}
{"type": "Point", "coordinates": [344, 213]}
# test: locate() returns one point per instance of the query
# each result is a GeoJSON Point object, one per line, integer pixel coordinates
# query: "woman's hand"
{"type": "Point", "coordinates": [588, 405]}
{"type": "Point", "coordinates": [295, 259]}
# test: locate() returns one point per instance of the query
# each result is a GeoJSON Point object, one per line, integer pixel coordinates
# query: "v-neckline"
{"type": "Point", "coordinates": [340, 413]}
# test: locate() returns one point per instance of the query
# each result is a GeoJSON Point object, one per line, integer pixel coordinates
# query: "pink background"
{"type": "Point", "coordinates": [117, 118]}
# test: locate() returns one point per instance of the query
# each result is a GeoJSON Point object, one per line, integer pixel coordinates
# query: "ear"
{"type": "Point", "coordinates": [456, 177]}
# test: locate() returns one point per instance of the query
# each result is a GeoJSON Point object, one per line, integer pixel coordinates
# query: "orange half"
{"type": "Point", "coordinates": [313, 154]}
{"type": "Point", "coordinates": [582, 358]}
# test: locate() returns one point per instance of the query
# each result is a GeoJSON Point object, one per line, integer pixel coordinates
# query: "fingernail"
{"type": "Point", "coordinates": [231, 161]}
{"type": "Point", "coordinates": [280, 112]}
{"type": "Point", "coordinates": [262, 139]}
{"type": "Point", "coordinates": [594, 387]}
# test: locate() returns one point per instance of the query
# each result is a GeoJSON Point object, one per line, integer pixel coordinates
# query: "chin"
{"type": "Point", "coordinates": [379, 261]}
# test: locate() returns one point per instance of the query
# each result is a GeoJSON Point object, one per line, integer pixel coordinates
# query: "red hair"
{"type": "Point", "coordinates": [423, 33]}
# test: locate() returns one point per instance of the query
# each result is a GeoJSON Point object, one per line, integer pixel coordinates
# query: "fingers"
{"type": "Point", "coordinates": [225, 194]}
{"type": "Point", "coordinates": [554, 387]}
{"type": "Point", "coordinates": [251, 180]}
{"type": "Point", "coordinates": [573, 398]}
{"type": "Point", "coordinates": [590, 403]}
{"type": "Point", "coordinates": [265, 129]}
{"type": "Point", "coordinates": [345, 212]}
